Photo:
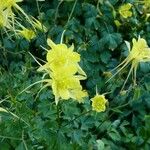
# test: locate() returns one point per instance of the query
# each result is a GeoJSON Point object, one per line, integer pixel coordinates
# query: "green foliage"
{"type": "Point", "coordinates": [32, 121]}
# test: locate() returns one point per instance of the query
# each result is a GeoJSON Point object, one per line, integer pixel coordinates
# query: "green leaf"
{"type": "Point", "coordinates": [114, 134]}
{"type": "Point", "coordinates": [100, 145]}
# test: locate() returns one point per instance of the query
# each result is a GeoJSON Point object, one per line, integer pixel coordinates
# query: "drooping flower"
{"type": "Point", "coordinates": [140, 52]}
{"type": "Point", "coordinates": [125, 11]}
{"type": "Point", "coordinates": [99, 103]}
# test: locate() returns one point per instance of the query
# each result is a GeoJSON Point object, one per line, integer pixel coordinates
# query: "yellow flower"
{"type": "Point", "coordinates": [124, 10]}
{"type": "Point", "coordinates": [99, 103]}
{"type": "Point", "coordinates": [140, 52]}
{"type": "Point", "coordinates": [60, 56]}
{"type": "Point", "coordinates": [27, 33]}
{"type": "Point", "coordinates": [66, 87]}
{"type": "Point", "coordinates": [61, 59]}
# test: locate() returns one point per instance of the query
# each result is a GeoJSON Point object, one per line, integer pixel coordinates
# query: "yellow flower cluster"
{"type": "Point", "coordinates": [125, 11]}
{"type": "Point", "coordinates": [65, 72]}
{"type": "Point", "coordinates": [140, 52]}
{"type": "Point", "coordinates": [99, 103]}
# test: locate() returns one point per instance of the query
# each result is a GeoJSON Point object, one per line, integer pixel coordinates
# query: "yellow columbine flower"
{"type": "Point", "coordinates": [140, 52]}
{"type": "Point", "coordinates": [60, 56]}
{"type": "Point", "coordinates": [99, 103]}
{"type": "Point", "coordinates": [125, 11]}
{"type": "Point", "coordinates": [27, 33]}
{"type": "Point", "coordinates": [66, 87]}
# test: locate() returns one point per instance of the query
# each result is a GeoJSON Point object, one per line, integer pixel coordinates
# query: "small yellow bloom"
{"type": "Point", "coordinates": [125, 11]}
{"type": "Point", "coordinates": [99, 103]}
{"type": "Point", "coordinates": [27, 33]}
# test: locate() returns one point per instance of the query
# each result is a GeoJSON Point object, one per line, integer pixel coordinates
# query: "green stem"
{"type": "Point", "coordinates": [57, 10]}
{"type": "Point", "coordinates": [8, 137]}
{"type": "Point", "coordinates": [24, 142]}
{"type": "Point", "coordinates": [39, 12]}
{"type": "Point", "coordinates": [118, 107]}
{"type": "Point", "coordinates": [71, 12]}
{"type": "Point", "coordinates": [58, 115]}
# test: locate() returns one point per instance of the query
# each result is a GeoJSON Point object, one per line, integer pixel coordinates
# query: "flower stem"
{"type": "Point", "coordinates": [58, 115]}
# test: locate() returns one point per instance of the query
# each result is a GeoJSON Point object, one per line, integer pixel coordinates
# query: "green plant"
{"type": "Point", "coordinates": [30, 118]}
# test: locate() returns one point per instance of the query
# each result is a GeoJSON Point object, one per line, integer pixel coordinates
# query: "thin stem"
{"type": "Point", "coordinates": [100, 13]}
{"type": "Point", "coordinates": [62, 36]}
{"type": "Point", "coordinates": [127, 78]}
{"type": "Point", "coordinates": [58, 115]}
{"type": "Point", "coordinates": [41, 81]}
{"type": "Point", "coordinates": [72, 11]}
{"type": "Point", "coordinates": [8, 137]}
{"type": "Point", "coordinates": [57, 10]}
{"type": "Point", "coordinates": [38, 9]}
{"type": "Point", "coordinates": [118, 107]}
{"type": "Point", "coordinates": [24, 142]}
